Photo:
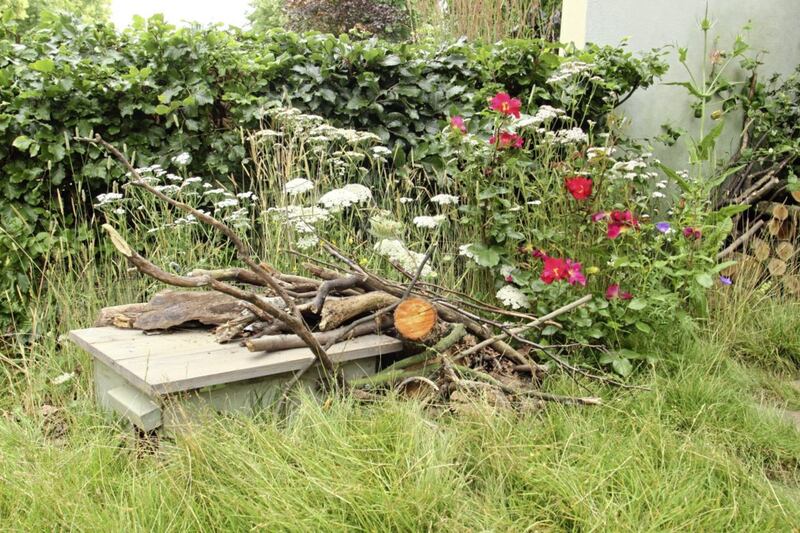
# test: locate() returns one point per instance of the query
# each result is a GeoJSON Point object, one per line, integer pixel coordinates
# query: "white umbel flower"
{"type": "Point", "coordinates": [182, 159]}
{"type": "Point", "coordinates": [351, 194]}
{"type": "Point", "coordinates": [108, 198]}
{"type": "Point", "coordinates": [445, 199]}
{"type": "Point", "coordinates": [465, 250]}
{"type": "Point", "coordinates": [297, 186]}
{"type": "Point", "coordinates": [512, 297]}
{"type": "Point", "coordinates": [428, 222]}
{"type": "Point", "coordinates": [396, 251]}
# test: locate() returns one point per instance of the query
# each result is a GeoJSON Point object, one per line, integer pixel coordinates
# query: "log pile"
{"type": "Point", "coordinates": [455, 342]}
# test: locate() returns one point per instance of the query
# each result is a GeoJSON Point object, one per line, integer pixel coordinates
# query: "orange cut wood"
{"type": "Point", "coordinates": [780, 212]}
{"type": "Point", "coordinates": [414, 318]}
{"type": "Point", "coordinates": [784, 250]}
{"type": "Point", "coordinates": [796, 196]}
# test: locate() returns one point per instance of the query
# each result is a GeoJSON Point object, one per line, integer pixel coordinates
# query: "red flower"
{"type": "Point", "coordinates": [503, 103]}
{"type": "Point", "coordinates": [574, 274]}
{"type": "Point", "coordinates": [555, 269]}
{"type": "Point", "coordinates": [539, 254]}
{"type": "Point", "coordinates": [694, 234]}
{"type": "Point", "coordinates": [506, 140]}
{"type": "Point", "coordinates": [612, 292]}
{"type": "Point", "coordinates": [457, 123]}
{"type": "Point", "coordinates": [579, 187]}
{"type": "Point", "coordinates": [620, 222]}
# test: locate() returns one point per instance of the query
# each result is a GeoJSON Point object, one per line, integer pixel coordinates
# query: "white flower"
{"type": "Point", "coordinates": [534, 202]}
{"type": "Point", "coordinates": [570, 136]}
{"type": "Point", "coordinates": [348, 195]}
{"type": "Point", "coordinates": [108, 198]}
{"type": "Point", "coordinates": [227, 202]}
{"type": "Point", "coordinates": [396, 251]}
{"type": "Point", "coordinates": [239, 214]}
{"type": "Point", "coordinates": [381, 151]}
{"type": "Point", "coordinates": [193, 179]}
{"type": "Point", "coordinates": [629, 166]}
{"type": "Point", "coordinates": [544, 114]}
{"type": "Point", "coordinates": [119, 211]}
{"type": "Point", "coordinates": [213, 191]}
{"type": "Point", "coordinates": [297, 186]}
{"type": "Point", "coordinates": [307, 241]}
{"type": "Point", "coordinates": [445, 199]}
{"type": "Point", "coordinates": [662, 184]}
{"type": "Point", "coordinates": [465, 250]}
{"type": "Point", "coordinates": [406, 200]}
{"type": "Point", "coordinates": [268, 133]}
{"type": "Point", "coordinates": [247, 195]}
{"type": "Point", "coordinates": [570, 69]}
{"type": "Point", "coordinates": [506, 270]}
{"type": "Point", "coordinates": [182, 159]}
{"type": "Point", "coordinates": [512, 297]}
{"type": "Point", "coordinates": [173, 177]}
{"type": "Point", "coordinates": [657, 194]}
{"type": "Point", "coordinates": [428, 222]}
{"type": "Point", "coordinates": [597, 152]}
{"type": "Point", "coordinates": [167, 189]}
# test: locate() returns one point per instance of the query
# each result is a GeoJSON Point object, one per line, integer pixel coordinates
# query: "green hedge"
{"type": "Point", "coordinates": [159, 91]}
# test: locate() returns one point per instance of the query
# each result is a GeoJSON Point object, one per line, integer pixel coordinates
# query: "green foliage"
{"type": "Point", "coordinates": [266, 14]}
{"type": "Point", "coordinates": [158, 90]}
{"type": "Point", "coordinates": [377, 17]}
{"type": "Point", "coordinates": [28, 13]}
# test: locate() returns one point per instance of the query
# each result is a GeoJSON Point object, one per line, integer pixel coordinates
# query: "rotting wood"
{"type": "Point", "coordinates": [337, 311]}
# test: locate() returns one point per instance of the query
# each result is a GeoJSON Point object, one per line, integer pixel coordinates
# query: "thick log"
{"type": "Point", "coordinates": [415, 318]}
{"type": "Point", "coordinates": [776, 267]}
{"type": "Point", "coordinates": [741, 240]}
{"type": "Point", "coordinates": [796, 196]}
{"type": "Point", "coordinates": [274, 343]}
{"type": "Point", "coordinates": [784, 250]}
{"type": "Point", "coordinates": [761, 249]}
{"type": "Point", "coordinates": [121, 316]}
{"type": "Point", "coordinates": [337, 311]}
{"type": "Point", "coordinates": [747, 267]}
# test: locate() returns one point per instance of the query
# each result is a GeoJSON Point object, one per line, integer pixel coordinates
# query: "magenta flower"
{"type": "Point", "coordinates": [457, 123]}
{"type": "Point", "coordinates": [504, 104]}
{"type": "Point", "coordinates": [613, 292]}
{"type": "Point", "coordinates": [575, 276]}
{"type": "Point", "coordinates": [693, 234]}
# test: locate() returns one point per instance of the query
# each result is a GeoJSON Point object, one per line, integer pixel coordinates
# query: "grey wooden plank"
{"type": "Point", "coordinates": [188, 371]}
{"type": "Point", "coordinates": [136, 407]}
{"type": "Point", "coordinates": [132, 343]}
{"type": "Point", "coordinates": [95, 351]}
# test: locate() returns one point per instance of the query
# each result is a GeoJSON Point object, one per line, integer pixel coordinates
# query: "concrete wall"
{"type": "Point", "coordinates": [654, 23]}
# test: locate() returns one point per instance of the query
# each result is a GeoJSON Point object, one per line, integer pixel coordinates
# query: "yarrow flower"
{"type": "Point", "coordinates": [503, 103]}
{"type": "Point", "coordinates": [297, 186]}
{"type": "Point", "coordinates": [512, 297]}
{"type": "Point", "coordinates": [445, 199]}
{"type": "Point", "coordinates": [506, 140]}
{"type": "Point", "coordinates": [579, 187]}
{"type": "Point", "coordinates": [108, 198]}
{"type": "Point", "coordinates": [613, 292]}
{"type": "Point", "coordinates": [693, 234]}
{"type": "Point", "coordinates": [457, 124]}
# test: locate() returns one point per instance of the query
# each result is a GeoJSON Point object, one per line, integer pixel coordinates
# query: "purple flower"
{"type": "Point", "coordinates": [663, 227]}
{"type": "Point", "coordinates": [725, 280]}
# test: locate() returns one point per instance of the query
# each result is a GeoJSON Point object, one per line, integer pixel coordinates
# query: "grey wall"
{"type": "Point", "coordinates": [654, 23]}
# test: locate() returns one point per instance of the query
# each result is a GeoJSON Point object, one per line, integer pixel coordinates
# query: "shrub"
{"type": "Point", "coordinates": [343, 16]}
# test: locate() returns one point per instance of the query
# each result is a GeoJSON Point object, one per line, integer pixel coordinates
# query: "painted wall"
{"type": "Point", "coordinates": [654, 23]}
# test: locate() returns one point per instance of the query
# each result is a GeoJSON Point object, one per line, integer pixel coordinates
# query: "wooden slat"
{"type": "Point", "coordinates": [136, 407]}
{"type": "Point", "coordinates": [163, 364]}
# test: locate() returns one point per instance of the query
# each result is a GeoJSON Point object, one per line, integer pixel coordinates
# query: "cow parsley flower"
{"type": "Point", "coordinates": [428, 222]}
{"type": "Point", "coordinates": [297, 186]}
{"type": "Point", "coordinates": [182, 159]}
{"type": "Point", "coordinates": [307, 242]}
{"type": "Point", "coordinates": [465, 250]}
{"type": "Point", "coordinates": [351, 194]}
{"type": "Point", "coordinates": [571, 136]}
{"type": "Point", "coordinates": [247, 195]}
{"type": "Point", "coordinates": [108, 198]}
{"type": "Point", "coordinates": [512, 297]}
{"type": "Point", "coordinates": [444, 199]}
{"type": "Point", "coordinates": [396, 251]}
{"type": "Point", "coordinates": [227, 202]}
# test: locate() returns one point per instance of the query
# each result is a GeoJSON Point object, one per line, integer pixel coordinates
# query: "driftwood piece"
{"type": "Point", "coordinates": [169, 309]}
{"type": "Point", "coordinates": [274, 343]}
{"type": "Point", "coordinates": [414, 318]}
{"type": "Point", "coordinates": [337, 311]}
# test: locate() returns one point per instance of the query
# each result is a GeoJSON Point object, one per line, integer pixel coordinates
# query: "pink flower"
{"type": "Point", "coordinates": [579, 187]}
{"type": "Point", "coordinates": [457, 123]}
{"type": "Point", "coordinates": [612, 292]}
{"type": "Point", "coordinates": [503, 103]}
{"type": "Point", "coordinates": [506, 140]}
{"type": "Point", "coordinates": [539, 254]}
{"type": "Point", "coordinates": [693, 234]}
{"type": "Point", "coordinates": [620, 222]}
{"type": "Point", "coordinates": [555, 269]}
{"type": "Point", "coordinates": [597, 217]}
{"type": "Point", "coordinates": [574, 274]}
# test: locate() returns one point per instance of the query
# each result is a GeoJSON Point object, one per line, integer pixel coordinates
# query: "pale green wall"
{"type": "Point", "coordinates": [654, 23]}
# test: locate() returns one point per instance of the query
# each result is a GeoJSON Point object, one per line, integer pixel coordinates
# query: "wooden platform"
{"type": "Point", "coordinates": [175, 362]}
{"type": "Point", "coordinates": [138, 376]}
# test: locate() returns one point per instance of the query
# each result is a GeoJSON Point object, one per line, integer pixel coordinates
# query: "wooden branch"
{"type": "Point", "coordinates": [274, 343]}
{"type": "Point", "coordinates": [337, 311]}
{"type": "Point", "coordinates": [741, 240]}
{"type": "Point", "coordinates": [241, 275]}
{"type": "Point", "coordinates": [333, 285]}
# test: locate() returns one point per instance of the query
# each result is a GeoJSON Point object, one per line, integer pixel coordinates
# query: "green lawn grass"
{"type": "Point", "coordinates": [704, 449]}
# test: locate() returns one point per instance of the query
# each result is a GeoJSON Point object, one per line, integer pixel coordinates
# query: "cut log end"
{"type": "Point", "coordinates": [415, 318]}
